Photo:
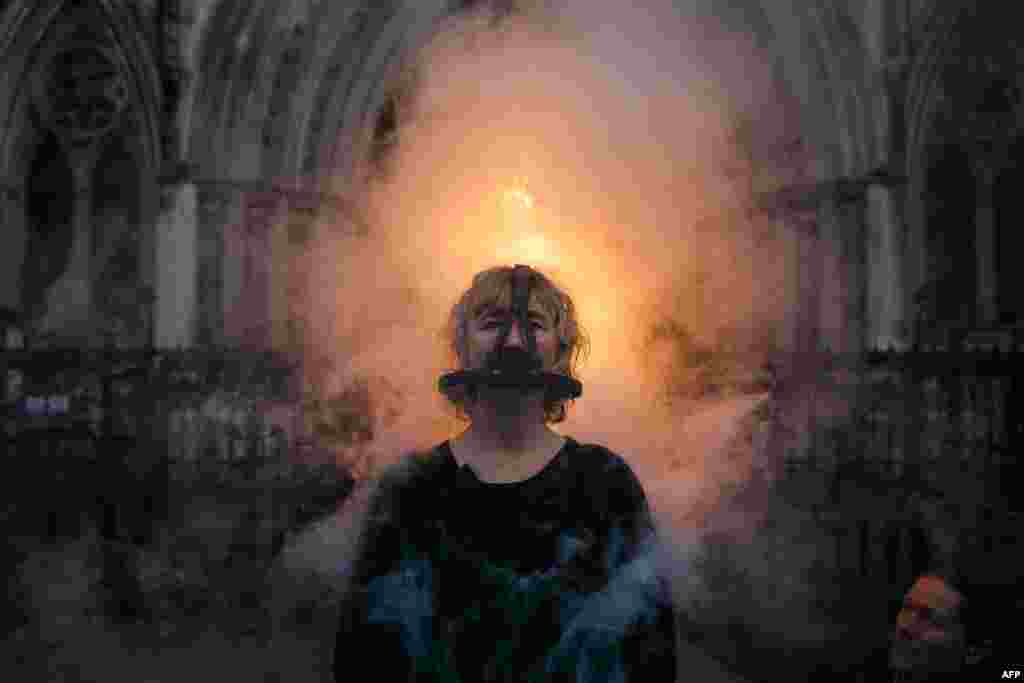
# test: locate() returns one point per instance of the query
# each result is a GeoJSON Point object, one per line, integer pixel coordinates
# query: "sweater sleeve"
{"type": "Point", "coordinates": [649, 646]}
{"type": "Point", "coordinates": [377, 624]}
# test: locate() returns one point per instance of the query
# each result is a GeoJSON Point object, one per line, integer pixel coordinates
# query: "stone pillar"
{"type": "Point", "coordinates": [247, 269]}
{"type": "Point", "coordinates": [259, 217]}
{"type": "Point", "coordinates": [835, 285]}
{"type": "Point", "coordinates": [68, 317]}
{"type": "Point", "coordinates": [12, 257]}
{"type": "Point", "coordinates": [80, 93]}
{"type": "Point", "coordinates": [985, 243]}
{"type": "Point", "coordinates": [233, 230]}
{"type": "Point", "coordinates": [809, 264]}
{"type": "Point", "coordinates": [793, 246]}
{"type": "Point", "coordinates": [217, 209]}
{"type": "Point", "coordinates": [849, 215]}
{"type": "Point", "coordinates": [286, 249]}
{"type": "Point", "coordinates": [279, 274]}
{"type": "Point", "coordinates": [885, 315]}
{"type": "Point", "coordinates": [80, 266]}
{"type": "Point", "coordinates": [176, 313]}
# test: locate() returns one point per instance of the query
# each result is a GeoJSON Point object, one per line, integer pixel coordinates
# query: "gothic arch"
{"type": "Point", "coordinates": [229, 98]}
{"type": "Point", "coordinates": [349, 74]}
{"type": "Point", "coordinates": [949, 239]}
{"type": "Point", "coordinates": [26, 25]}
{"type": "Point", "coordinates": [245, 99]}
{"type": "Point", "coordinates": [356, 110]}
{"type": "Point", "coordinates": [820, 52]}
{"type": "Point", "coordinates": [924, 91]}
{"type": "Point", "coordinates": [331, 63]}
{"type": "Point", "coordinates": [930, 111]}
{"type": "Point", "coordinates": [842, 57]}
{"type": "Point", "coordinates": [923, 98]}
{"type": "Point", "coordinates": [1009, 238]}
{"type": "Point", "coordinates": [35, 31]}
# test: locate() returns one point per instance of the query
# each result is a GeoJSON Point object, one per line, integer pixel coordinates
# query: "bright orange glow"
{"type": "Point", "coordinates": [524, 241]}
{"type": "Point", "coordinates": [632, 206]}
{"type": "Point", "coordinates": [624, 206]}
{"type": "Point", "coordinates": [519, 196]}
{"type": "Point", "coordinates": [532, 248]}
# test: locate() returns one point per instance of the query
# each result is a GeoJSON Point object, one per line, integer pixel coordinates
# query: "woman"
{"type": "Point", "coordinates": [511, 552]}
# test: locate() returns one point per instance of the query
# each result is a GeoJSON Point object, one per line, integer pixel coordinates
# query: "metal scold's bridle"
{"type": "Point", "coordinates": [513, 367]}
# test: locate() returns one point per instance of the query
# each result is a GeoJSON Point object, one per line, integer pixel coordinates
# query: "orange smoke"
{"type": "Point", "coordinates": [598, 145]}
{"type": "Point", "coordinates": [604, 163]}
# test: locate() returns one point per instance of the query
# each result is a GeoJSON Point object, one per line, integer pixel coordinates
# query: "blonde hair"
{"type": "Point", "coordinates": [493, 287]}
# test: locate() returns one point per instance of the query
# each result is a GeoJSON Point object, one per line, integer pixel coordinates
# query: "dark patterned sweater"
{"type": "Point", "coordinates": [548, 579]}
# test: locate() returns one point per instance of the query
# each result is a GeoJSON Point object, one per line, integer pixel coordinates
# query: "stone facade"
{"type": "Point", "coordinates": [160, 162]}
{"type": "Point", "coordinates": [156, 97]}
{"type": "Point", "coordinates": [192, 112]}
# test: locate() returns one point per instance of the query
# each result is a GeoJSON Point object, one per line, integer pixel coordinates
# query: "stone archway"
{"type": "Point", "coordinates": [251, 120]}
{"type": "Point", "coordinates": [48, 211]}
{"type": "Point", "coordinates": [280, 118]}
{"type": "Point", "coordinates": [1009, 222]}
{"type": "Point", "coordinates": [949, 297]}
{"type": "Point", "coordinates": [963, 92]}
{"type": "Point", "coordinates": [82, 78]}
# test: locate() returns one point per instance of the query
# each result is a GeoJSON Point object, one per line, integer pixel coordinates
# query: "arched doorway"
{"type": "Point", "coordinates": [82, 132]}
{"type": "Point", "coordinates": [950, 208]}
{"type": "Point", "coordinates": [1009, 215]}
{"type": "Point", "coordinates": [48, 208]}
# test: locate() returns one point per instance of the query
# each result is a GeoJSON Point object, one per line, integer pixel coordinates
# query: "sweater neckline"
{"type": "Point", "coordinates": [466, 473]}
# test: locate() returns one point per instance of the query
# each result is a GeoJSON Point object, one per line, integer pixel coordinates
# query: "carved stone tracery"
{"type": "Point", "coordinates": [81, 94]}
{"type": "Point", "coordinates": [979, 108]}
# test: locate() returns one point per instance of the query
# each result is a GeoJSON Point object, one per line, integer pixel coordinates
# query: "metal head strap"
{"type": "Point", "coordinates": [516, 367]}
{"type": "Point", "coordinates": [520, 309]}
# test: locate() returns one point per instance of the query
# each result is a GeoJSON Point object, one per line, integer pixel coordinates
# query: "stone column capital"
{"type": "Point", "coordinates": [836, 191]}
{"type": "Point", "coordinates": [214, 200]}
{"type": "Point", "coordinates": [11, 192]}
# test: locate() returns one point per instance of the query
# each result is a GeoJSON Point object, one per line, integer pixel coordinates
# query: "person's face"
{"type": "Point", "coordinates": [929, 635]}
{"type": "Point", "coordinates": [484, 332]}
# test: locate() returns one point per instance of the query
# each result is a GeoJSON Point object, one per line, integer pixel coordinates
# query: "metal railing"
{"type": "Point", "coordinates": [883, 435]}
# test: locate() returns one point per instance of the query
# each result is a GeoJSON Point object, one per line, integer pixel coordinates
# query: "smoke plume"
{"type": "Point", "coordinates": [620, 152]}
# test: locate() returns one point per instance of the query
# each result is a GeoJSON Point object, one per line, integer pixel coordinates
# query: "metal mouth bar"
{"type": "Point", "coordinates": [558, 386]}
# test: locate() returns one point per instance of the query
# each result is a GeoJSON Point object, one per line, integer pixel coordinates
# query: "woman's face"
{"type": "Point", "coordinates": [484, 331]}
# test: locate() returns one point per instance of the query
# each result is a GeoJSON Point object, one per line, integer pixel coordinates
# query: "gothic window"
{"type": "Point", "coordinates": [81, 94]}
{"type": "Point", "coordinates": [1009, 241]}
{"type": "Point", "coordinates": [116, 216]}
{"type": "Point", "coordinates": [920, 551]}
{"type": "Point", "coordinates": [950, 235]}
{"type": "Point", "coordinates": [50, 189]}
{"type": "Point", "coordinates": [1000, 97]}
